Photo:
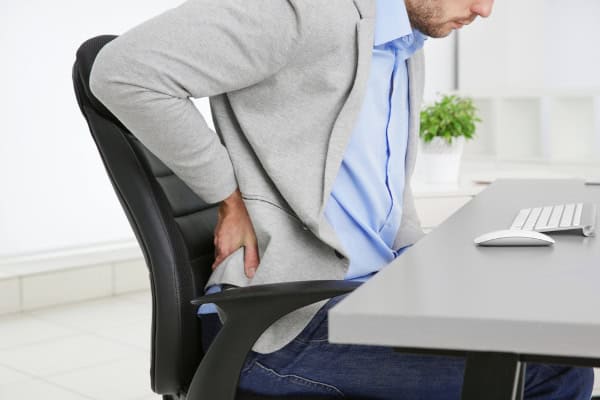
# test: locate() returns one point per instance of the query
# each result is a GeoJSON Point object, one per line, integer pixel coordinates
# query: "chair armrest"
{"type": "Point", "coordinates": [249, 311]}
{"type": "Point", "coordinates": [324, 289]}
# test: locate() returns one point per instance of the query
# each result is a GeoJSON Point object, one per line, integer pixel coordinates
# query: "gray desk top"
{"type": "Point", "coordinates": [447, 293]}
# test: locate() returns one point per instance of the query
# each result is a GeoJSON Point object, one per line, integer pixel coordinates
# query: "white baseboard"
{"type": "Point", "coordinates": [33, 281]}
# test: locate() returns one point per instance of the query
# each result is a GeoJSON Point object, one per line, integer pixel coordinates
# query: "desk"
{"type": "Point", "coordinates": [500, 307]}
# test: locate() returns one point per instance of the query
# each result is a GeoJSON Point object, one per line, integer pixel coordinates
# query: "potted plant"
{"type": "Point", "coordinates": [445, 126]}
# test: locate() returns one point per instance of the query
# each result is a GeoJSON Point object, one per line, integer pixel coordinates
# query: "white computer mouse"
{"type": "Point", "coordinates": [514, 237]}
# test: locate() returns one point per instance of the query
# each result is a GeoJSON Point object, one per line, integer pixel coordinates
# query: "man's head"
{"type": "Point", "coordinates": [437, 18]}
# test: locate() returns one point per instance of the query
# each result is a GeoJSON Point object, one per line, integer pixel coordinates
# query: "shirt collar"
{"type": "Point", "coordinates": [391, 21]}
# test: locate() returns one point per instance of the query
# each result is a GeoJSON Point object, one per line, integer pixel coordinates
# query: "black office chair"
{"type": "Point", "coordinates": [175, 231]}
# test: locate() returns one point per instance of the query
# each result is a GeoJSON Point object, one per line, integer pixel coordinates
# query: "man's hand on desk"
{"type": "Point", "coordinates": [234, 230]}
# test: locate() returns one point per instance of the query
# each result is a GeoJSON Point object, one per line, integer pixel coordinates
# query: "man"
{"type": "Point", "coordinates": [316, 105]}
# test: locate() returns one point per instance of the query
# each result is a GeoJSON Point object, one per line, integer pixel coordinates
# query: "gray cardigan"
{"type": "Point", "coordinates": [286, 79]}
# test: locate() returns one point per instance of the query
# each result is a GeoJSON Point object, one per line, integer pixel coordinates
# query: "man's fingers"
{"type": "Point", "coordinates": [216, 263]}
{"type": "Point", "coordinates": [234, 230]}
{"type": "Point", "coordinates": [251, 260]}
{"type": "Point", "coordinates": [220, 255]}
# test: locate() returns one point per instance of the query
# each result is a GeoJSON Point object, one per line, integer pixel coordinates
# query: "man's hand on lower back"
{"type": "Point", "coordinates": [234, 230]}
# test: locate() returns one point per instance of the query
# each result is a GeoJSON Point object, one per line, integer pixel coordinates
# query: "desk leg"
{"type": "Point", "coordinates": [493, 376]}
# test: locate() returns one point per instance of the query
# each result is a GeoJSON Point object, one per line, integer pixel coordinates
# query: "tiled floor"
{"type": "Point", "coordinates": [93, 350]}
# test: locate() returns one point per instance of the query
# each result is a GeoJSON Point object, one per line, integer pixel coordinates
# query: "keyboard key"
{"type": "Point", "coordinates": [542, 222]}
{"type": "Point", "coordinates": [567, 216]}
{"type": "Point", "coordinates": [555, 217]}
{"type": "Point", "coordinates": [532, 219]}
{"type": "Point", "coordinates": [521, 218]}
{"type": "Point", "coordinates": [578, 211]}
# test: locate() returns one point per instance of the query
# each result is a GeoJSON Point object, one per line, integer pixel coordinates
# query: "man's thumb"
{"type": "Point", "coordinates": [251, 260]}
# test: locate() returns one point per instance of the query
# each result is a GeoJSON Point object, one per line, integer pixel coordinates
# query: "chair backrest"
{"type": "Point", "coordinates": [173, 227]}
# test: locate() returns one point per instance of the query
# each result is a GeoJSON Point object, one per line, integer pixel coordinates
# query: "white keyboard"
{"type": "Point", "coordinates": [561, 217]}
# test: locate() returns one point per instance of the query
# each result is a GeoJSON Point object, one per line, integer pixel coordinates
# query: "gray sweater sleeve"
{"type": "Point", "coordinates": [202, 48]}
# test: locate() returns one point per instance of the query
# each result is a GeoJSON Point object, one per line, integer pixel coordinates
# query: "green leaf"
{"type": "Point", "coordinates": [450, 117]}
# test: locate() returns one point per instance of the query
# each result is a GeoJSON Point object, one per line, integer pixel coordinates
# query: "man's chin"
{"type": "Point", "coordinates": [442, 30]}
{"type": "Point", "coordinates": [439, 31]}
{"type": "Point", "coordinates": [435, 29]}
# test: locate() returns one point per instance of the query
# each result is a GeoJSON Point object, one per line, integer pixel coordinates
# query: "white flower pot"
{"type": "Point", "coordinates": [440, 161]}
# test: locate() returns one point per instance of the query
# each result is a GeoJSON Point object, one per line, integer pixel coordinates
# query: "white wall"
{"type": "Point", "coordinates": [439, 67]}
{"type": "Point", "coordinates": [532, 68]}
{"type": "Point", "coordinates": [572, 51]}
{"type": "Point", "coordinates": [533, 44]}
{"type": "Point", "coordinates": [55, 193]}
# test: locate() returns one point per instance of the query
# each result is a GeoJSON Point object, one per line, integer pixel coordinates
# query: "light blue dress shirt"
{"type": "Point", "coordinates": [365, 207]}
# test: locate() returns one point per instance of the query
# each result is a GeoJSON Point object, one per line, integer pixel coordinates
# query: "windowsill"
{"type": "Point", "coordinates": [65, 259]}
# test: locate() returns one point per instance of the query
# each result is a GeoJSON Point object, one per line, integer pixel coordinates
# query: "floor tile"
{"type": "Point", "coordinates": [8, 375]}
{"type": "Point", "coordinates": [65, 354]}
{"type": "Point", "coordinates": [135, 334]}
{"type": "Point", "coordinates": [33, 389]}
{"type": "Point", "coordinates": [93, 315]}
{"type": "Point", "coordinates": [20, 329]}
{"type": "Point", "coordinates": [125, 379]}
{"type": "Point", "coordinates": [141, 297]}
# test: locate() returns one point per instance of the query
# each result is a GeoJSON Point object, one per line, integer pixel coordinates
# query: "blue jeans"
{"type": "Point", "coordinates": [310, 365]}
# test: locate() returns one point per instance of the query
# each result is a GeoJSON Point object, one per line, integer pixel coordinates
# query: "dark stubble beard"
{"type": "Point", "coordinates": [423, 13]}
